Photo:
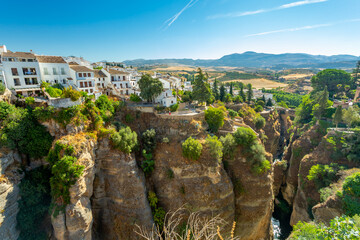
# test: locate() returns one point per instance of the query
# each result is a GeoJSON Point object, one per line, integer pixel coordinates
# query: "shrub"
{"type": "Point", "coordinates": [2, 88]}
{"type": "Point", "coordinates": [29, 101]}
{"type": "Point", "coordinates": [69, 92]}
{"type": "Point", "coordinates": [257, 158]}
{"type": "Point", "coordinates": [165, 140]}
{"type": "Point", "coordinates": [43, 114]}
{"type": "Point", "coordinates": [158, 212]}
{"type": "Point", "coordinates": [323, 175]}
{"type": "Point", "coordinates": [53, 92]}
{"type": "Point", "coordinates": [148, 164]}
{"type": "Point", "coordinates": [149, 140]}
{"type": "Point", "coordinates": [325, 193]}
{"type": "Point", "coordinates": [259, 122]}
{"type": "Point", "coordinates": [232, 113]}
{"type": "Point", "coordinates": [215, 146]}
{"type": "Point", "coordinates": [34, 203]}
{"type": "Point", "coordinates": [129, 118]}
{"type": "Point", "coordinates": [214, 118]}
{"type": "Point", "coordinates": [259, 108]}
{"type": "Point", "coordinates": [5, 110]}
{"type": "Point", "coordinates": [229, 145]}
{"type": "Point", "coordinates": [351, 194]}
{"type": "Point", "coordinates": [174, 107]}
{"type": "Point", "coordinates": [125, 140]}
{"type": "Point", "coordinates": [192, 149]}
{"type": "Point", "coordinates": [135, 98]}
{"type": "Point", "coordinates": [244, 137]}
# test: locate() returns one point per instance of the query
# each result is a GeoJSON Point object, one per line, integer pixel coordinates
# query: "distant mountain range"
{"type": "Point", "coordinates": [260, 60]}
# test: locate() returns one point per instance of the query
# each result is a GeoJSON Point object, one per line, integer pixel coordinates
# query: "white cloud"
{"type": "Point", "coordinates": [285, 6]}
{"type": "Point", "coordinates": [171, 20]}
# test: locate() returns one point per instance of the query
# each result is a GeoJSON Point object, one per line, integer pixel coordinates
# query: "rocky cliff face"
{"type": "Point", "coordinates": [9, 193]}
{"type": "Point", "coordinates": [120, 197]}
{"type": "Point", "coordinates": [77, 220]}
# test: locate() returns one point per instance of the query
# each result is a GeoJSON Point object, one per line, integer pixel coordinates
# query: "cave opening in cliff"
{"type": "Point", "coordinates": [281, 218]}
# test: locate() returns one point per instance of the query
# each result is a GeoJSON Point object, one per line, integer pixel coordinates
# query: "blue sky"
{"type": "Point", "coordinates": [118, 30]}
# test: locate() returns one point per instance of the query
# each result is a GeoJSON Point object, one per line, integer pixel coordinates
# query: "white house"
{"type": "Point", "coordinates": [102, 78]}
{"type": "Point", "coordinates": [121, 81]}
{"type": "Point", "coordinates": [84, 78]}
{"type": "Point", "coordinates": [54, 69]}
{"type": "Point", "coordinates": [166, 98]}
{"type": "Point", "coordinates": [21, 72]}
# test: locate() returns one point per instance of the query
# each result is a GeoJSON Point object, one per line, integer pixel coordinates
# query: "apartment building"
{"type": "Point", "coordinates": [21, 72]}
{"type": "Point", "coordinates": [121, 81]}
{"type": "Point", "coordinates": [102, 78]}
{"type": "Point", "coordinates": [83, 78]}
{"type": "Point", "coordinates": [54, 69]}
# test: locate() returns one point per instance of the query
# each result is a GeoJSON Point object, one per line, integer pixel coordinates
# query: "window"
{"type": "Point", "coordinates": [103, 85]}
{"type": "Point", "coordinates": [90, 84]}
{"type": "Point", "coordinates": [64, 81]}
{"type": "Point", "coordinates": [98, 84]}
{"type": "Point", "coordinates": [28, 81]}
{"type": "Point", "coordinates": [124, 78]}
{"type": "Point", "coordinates": [127, 86]}
{"type": "Point", "coordinates": [30, 60]}
{"type": "Point", "coordinates": [17, 82]}
{"type": "Point", "coordinates": [91, 90]}
{"type": "Point", "coordinates": [89, 74]}
{"type": "Point", "coordinates": [81, 84]}
{"type": "Point", "coordinates": [46, 72]}
{"type": "Point", "coordinates": [11, 59]}
{"type": "Point", "coordinates": [23, 60]}
{"type": "Point", "coordinates": [63, 71]}
{"type": "Point", "coordinates": [56, 81]}
{"type": "Point", "coordinates": [86, 84]}
{"type": "Point", "coordinates": [80, 74]}
{"type": "Point", "coordinates": [121, 85]}
{"type": "Point", "coordinates": [103, 79]}
{"type": "Point", "coordinates": [14, 72]}
{"type": "Point", "coordinates": [34, 80]}
{"type": "Point", "coordinates": [54, 71]}
{"type": "Point", "coordinates": [127, 92]}
{"type": "Point", "coordinates": [29, 71]}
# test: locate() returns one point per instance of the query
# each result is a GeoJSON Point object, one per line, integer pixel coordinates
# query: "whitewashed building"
{"type": "Point", "coordinates": [166, 98]}
{"type": "Point", "coordinates": [84, 78]}
{"type": "Point", "coordinates": [21, 72]}
{"type": "Point", "coordinates": [121, 81]}
{"type": "Point", "coordinates": [54, 69]}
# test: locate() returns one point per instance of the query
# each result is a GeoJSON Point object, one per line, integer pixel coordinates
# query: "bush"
{"type": "Point", "coordinates": [351, 194]}
{"type": "Point", "coordinates": [2, 88]}
{"type": "Point", "coordinates": [135, 98]}
{"type": "Point", "coordinates": [34, 203]}
{"type": "Point", "coordinates": [158, 212]}
{"type": "Point", "coordinates": [244, 137]}
{"type": "Point", "coordinates": [53, 92]}
{"type": "Point", "coordinates": [125, 140]}
{"type": "Point", "coordinates": [129, 118]}
{"type": "Point", "coordinates": [174, 108]}
{"type": "Point", "coordinates": [29, 101]}
{"type": "Point", "coordinates": [323, 175]}
{"type": "Point", "coordinates": [232, 113]}
{"type": "Point", "coordinates": [259, 108]}
{"type": "Point", "coordinates": [149, 140]}
{"type": "Point", "coordinates": [215, 146]}
{"type": "Point", "coordinates": [229, 145]}
{"type": "Point", "coordinates": [192, 149]}
{"type": "Point", "coordinates": [214, 118]}
{"type": "Point", "coordinates": [71, 93]}
{"type": "Point", "coordinates": [148, 164]}
{"type": "Point", "coordinates": [106, 107]}
{"type": "Point", "coordinates": [165, 140]}
{"type": "Point", "coordinates": [259, 122]}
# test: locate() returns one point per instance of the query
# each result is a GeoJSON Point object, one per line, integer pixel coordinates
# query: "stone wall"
{"type": "Point", "coordinates": [63, 102]}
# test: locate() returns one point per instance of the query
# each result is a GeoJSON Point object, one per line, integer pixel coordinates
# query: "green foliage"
{"type": "Point", "coordinates": [158, 212]}
{"type": "Point", "coordinates": [215, 146]}
{"type": "Point", "coordinates": [323, 175]}
{"type": "Point", "coordinates": [343, 228]}
{"type": "Point", "coordinates": [69, 92]}
{"type": "Point", "coordinates": [331, 78]}
{"type": "Point", "coordinates": [148, 164]}
{"type": "Point", "coordinates": [249, 93]}
{"type": "Point", "coordinates": [269, 103]}
{"type": "Point", "coordinates": [232, 113]}
{"type": "Point", "coordinates": [150, 88]}
{"type": "Point", "coordinates": [322, 104]}
{"type": "Point", "coordinates": [325, 193]}
{"type": "Point", "coordinates": [129, 118]}
{"type": "Point", "coordinates": [135, 98]}
{"type": "Point", "coordinates": [305, 110]}
{"type": "Point", "coordinates": [106, 107]}
{"type": "Point", "coordinates": [33, 204]}
{"type": "Point", "coordinates": [351, 194]}
{"type": "Point", "coordinates": [338, 116]}
{"type": "Point", "coordinates": [259, 122]}
{"type": "Point", "coordinates": [2, 88]}
{"type": "Point", "coordinates": [245, 137]}
{"type": "Point", "coordinates": [292, 100]}
{"type": "Point", "coordinates": [65, 172]}
{"type": "Point", "coordinates": [214, 118]}
{"type": "Point", "coordinates": [191, 149]}
{"type": "Point", "coordinates": [125, 140]}
{"type": "Point", "coordinates": [43, 114]}
{"type": "Point", "coordinates": [165, 140]}
{"type": "Point", "coordinates": [149, 140]}
{"type": "Point", "coordinates": [29, 100]}
{"type": "Point", "coordinates": [201, 88]}
{"type": "Point", "coordinates": [53, 92]}
{"type": "Point", "coordinates": [170, 173]}
{"type": "Point", "coordinates": [352, 116]}
{"type": "Point", "coordinates": [237, 75]}
{"type": "Point", "coordinates": [21, 131]}
{"type": "Point", "coordinates": [174, 107]}
{"type": "Point", "coordinates": [283, 104]}
{"type": "Point", "coordinates": [229, 145]}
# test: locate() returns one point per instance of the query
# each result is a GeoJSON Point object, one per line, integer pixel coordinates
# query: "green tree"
{"type": "Point", "coordinates": [215, 90]}
{"type": "Point", "coordinates": [242, 93]}
{"type": "Point", "coordinates": [201, 88]}
{"type": "Point", "coordinates": [231, 89]}
{"type": "Point", "coordinates": [259, 122]}
{"type": "Point", "coordinates": [125, 140]}
{"type": "Point", "coordinates": [215, 146]}
{"type": "Point", "coordinates": [249, 93]}
{"type": "Point", "coordinates": [338, 116]}
{"type": "Point", "coordinates": [150, 88]}
{"type": "Point", "coordinates": [269, 103]}
{"type": "Point", "coordinates": [2, 88]}
{"type": "Point", "coordinates": [322, 105]}
{"type": "Point", "coordinates": [352, 116]}
{"type": "Point", "coordinates": [351, 194]}
{"type": "Point", "coordinates": [214, 118]}
{"type": "Point", "coordinates": [222, 92]}
{"type": "Point", "coordinates": [331, 78]}
{"type": "Point", "coordinates": [304, 111]}
{"type": "Point", "coordinates": [192, 149]}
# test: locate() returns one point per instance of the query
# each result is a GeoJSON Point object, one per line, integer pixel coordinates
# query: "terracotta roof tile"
{"type": "Point", "coordinates": [50, 59]}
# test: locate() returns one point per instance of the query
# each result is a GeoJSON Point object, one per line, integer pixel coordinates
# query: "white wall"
{"type": "Point", "coordinates": [20, 65]}
{"type": "Point", "coordinates": [50, 77]}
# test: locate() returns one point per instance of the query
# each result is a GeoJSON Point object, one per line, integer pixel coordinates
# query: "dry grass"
{"type": "Point", "coordinates": [197, 228]}
{"type": "Point", "coordinates": [297, 76]}
{"type": "Point", "coordinates": [260, 83]}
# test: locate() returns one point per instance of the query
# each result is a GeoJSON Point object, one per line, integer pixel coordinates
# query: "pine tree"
{"type": "Point", "coordinates": [250, 93]}
{"type": "Point", "coordinates": [231, 89]}
{"type": "Point", "coordinates": [269, 103]}
{"type": "Point", "coordinates": [320, 108]}
{"type": "Point", "coordinates": [241, 93]}
{"type": "Point", "coordinates": [216, 90]}
{"type": "Point", "coordinates": [338, 116]}
{"type": "Point", "coordinates": [222, 92]}
{"type": "Point", "coordinates": [201, 89]}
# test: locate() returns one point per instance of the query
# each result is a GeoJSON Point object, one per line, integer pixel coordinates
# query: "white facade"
{"type": "Point", "coordinates": [122, 82]}
{"type": "Point", "coordinates": [21, 72]}
{"type": "Point", "coordinates": [166, 98]}
{"type": "Point", "coordinates": [84, 78]}
{"type": "Point", "coordinates": [54, 69]}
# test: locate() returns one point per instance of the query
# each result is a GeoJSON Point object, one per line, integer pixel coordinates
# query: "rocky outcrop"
{"type": "Point", "coordinates": [9, 193]}
{"type": "Point", "coordinates": [325, 212]}
{"type": "Point", "coordinates": [120, 199]}
{"type": "Point", "coordinates": [280, 168]}
{"type": "Point", "coordinates": [57, 131]}
{"type": "Point", "coordinates": [77, 220]}
{"type": "Point", "coordinates": [200, 186]}
{"type": "Point", "coordinates": [272, 131]}
{"type": "Point", "coordinates": [253, 199]}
